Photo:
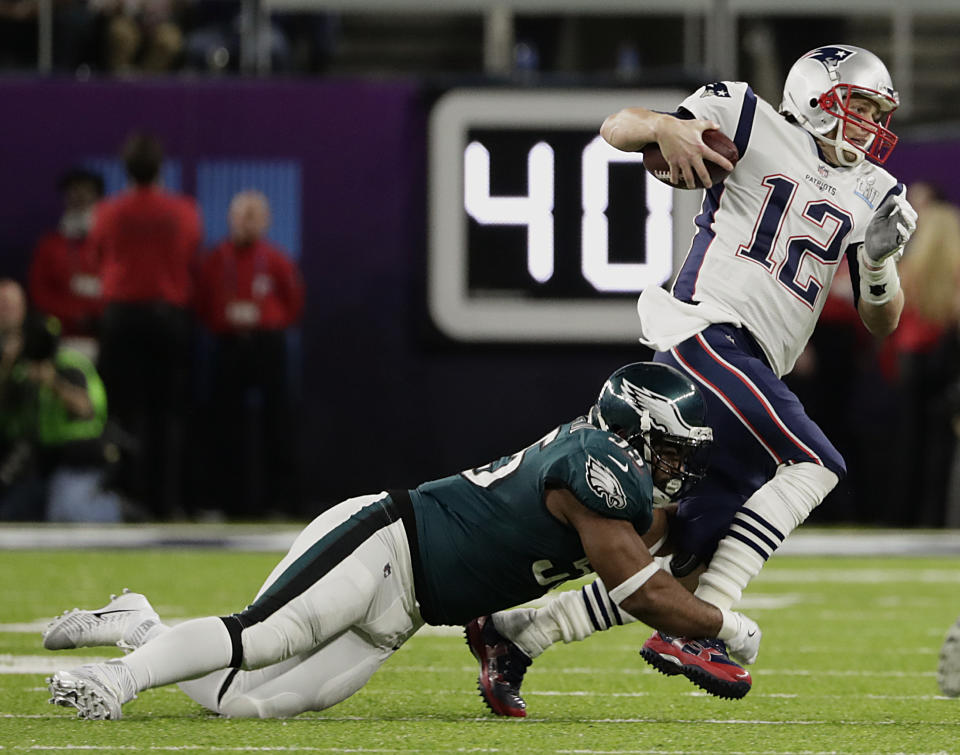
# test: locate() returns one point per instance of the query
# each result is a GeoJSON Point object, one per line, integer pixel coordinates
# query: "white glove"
{"type": "Point", "coordinates": [890, 228]}
{"type": "Point", "coordinates": [742, 636]}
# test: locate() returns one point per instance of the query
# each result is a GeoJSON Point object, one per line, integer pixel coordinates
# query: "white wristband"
{"type": "Point", "coordinates": [630, 585]}
{"type": "Point", "coordinates": [730, 626]}
{"type": "Point", "coordinates": [878, 285]}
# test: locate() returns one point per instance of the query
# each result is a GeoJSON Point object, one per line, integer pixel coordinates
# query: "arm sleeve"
{"type": "Point", "coordinates": [291, 288]}
{"type": "Point", "coordinates": [42, 279]}
{"type": "Point", "coordinates": [100, 228]}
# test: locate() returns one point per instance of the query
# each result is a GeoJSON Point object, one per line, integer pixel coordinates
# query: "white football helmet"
{"type": "Point", "coordinates": [817, 94]}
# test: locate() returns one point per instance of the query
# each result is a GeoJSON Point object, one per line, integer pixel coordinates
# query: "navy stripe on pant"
{"type": "Point", "coordinates": [758, 424]}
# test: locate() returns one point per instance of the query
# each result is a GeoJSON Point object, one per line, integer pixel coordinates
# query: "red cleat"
{"type": "Point", "coordinates": [502, 666]}
{"type": "Point", "coordinates": [703, 662]}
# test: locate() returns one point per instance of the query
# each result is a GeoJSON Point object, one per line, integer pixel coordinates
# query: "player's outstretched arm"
{"type": "Point", "coordinates": [641, 588]}
{"type": "Point", "coordinates": [681, 141]}
{"type": "Point", "coordinates": [573, 615]}
{"type": "Point", "coordinates": [881, 299]}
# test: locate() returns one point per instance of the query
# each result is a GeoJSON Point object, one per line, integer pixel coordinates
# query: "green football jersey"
{"type": "Point", "coordinates": [486, 539]}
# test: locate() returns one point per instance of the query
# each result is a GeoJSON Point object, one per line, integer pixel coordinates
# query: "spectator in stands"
{"type": "Point", "coordinates": [214, 41]}
{"type": "Point", "coordinates": [835, 378]}
{"type": "Point", "coordinates": [148, 240]}
{"type": "Point", "coordinates": [249, 295]}
{"type": "Point", "coordinates": [18, 33]}
{"type": "Point", "coordinates": [21, 490]}
{"type": "Point", "coordinates": [141, 35]}
{"type": "Point", "coordinates": [64, 276]}
{"type": "Point", "coordinates": [13, 310]}
{"type": "Point", "coordinates": [52, 416]}
{"type": "Point", "coordinates": [926, 355]}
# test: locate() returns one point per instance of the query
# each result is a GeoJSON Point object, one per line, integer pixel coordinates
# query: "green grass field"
{"type": "Point", "coordinates": [847, 665]}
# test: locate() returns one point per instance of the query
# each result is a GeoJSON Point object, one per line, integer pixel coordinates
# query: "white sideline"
{"type": "Point", "coordinates": [810, 541]}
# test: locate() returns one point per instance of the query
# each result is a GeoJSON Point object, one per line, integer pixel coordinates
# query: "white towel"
{"type": "Point", "coordinates": [666, 321]}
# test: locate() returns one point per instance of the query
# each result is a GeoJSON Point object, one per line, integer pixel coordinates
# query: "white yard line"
{"type": "Point", "coordinates": [859, 576]}
{"type": "Point", "coordinates": [189, 748]}
{"type": "Point", "coordinates": [43, 664]}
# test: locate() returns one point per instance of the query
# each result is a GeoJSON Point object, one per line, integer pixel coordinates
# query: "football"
{"type": "Point", "coordinates": [657, 166]}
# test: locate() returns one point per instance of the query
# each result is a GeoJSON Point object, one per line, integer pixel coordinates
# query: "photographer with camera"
{"type": "Point", "coordinates": [53, 411]}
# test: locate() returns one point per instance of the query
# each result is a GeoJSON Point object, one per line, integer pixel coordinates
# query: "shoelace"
{"type": "Point", "coordinates": [719, 645]}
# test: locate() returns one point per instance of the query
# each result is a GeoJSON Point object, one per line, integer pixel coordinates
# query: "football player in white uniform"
{"type": "Point", "coordinates": [768, 241]}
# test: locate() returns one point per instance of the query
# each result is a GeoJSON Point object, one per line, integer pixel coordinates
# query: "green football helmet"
{"type": "Point", "coordinates": [661, 413]}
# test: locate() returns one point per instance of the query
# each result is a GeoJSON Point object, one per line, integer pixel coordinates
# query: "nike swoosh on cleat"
{"type": "Point", "coordinates": [98, 614]}
{"type": "Point", "coordinates": [751, 634]}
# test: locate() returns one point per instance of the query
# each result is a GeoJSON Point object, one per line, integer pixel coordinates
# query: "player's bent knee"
{"type": "Point", "coordinates": [809, 479]}
{"type": "Point", "coordinates": [803, 486]}
{"type": "Point", "coordinates": [283, 705]}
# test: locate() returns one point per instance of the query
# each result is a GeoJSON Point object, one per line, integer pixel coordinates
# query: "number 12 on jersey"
{"type": "Point", "coordinates": [769, 227]}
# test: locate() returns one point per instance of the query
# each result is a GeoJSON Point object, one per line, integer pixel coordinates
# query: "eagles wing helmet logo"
{"type": "Point", "coordinates": [605, 484]}
{"type": "Point", "coordinates": [830, 56]}
{"type": "Point", "coordinates": [638, 397]}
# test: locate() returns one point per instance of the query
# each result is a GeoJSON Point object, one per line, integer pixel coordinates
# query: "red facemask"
{"type": "Point", "coordinates": [836, 101]}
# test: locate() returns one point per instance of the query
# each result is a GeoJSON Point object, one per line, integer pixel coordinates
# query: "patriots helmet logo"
{"type": "Point", "coordinates": [605, 484]}
{"type": "Point", "coordinates": [830, 56]}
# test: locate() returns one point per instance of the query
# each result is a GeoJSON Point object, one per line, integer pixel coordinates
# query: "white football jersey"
{"type": "Point", "coordinates": [770, 237]}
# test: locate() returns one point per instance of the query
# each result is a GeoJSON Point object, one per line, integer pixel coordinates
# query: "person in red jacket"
{"type": "Point", "coordinates": [249, 294]}
{"type": "Point", "coordinates": [64, 278]}
{"type": "Point", "coordinates": [148, 239]}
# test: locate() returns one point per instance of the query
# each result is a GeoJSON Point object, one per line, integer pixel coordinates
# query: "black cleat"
{"type": "Point", "coordinates": [502, 666]}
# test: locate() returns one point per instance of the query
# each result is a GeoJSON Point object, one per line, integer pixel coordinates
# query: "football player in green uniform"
{"type": "Point", "coordinates": [365, 575]}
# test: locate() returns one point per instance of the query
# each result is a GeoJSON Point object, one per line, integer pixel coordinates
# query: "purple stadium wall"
{"type": "Point", "coordinates": [385, 402]}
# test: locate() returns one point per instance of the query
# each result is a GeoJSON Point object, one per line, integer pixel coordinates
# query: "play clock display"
{"type": "Point", "coordinates": [538, 229]}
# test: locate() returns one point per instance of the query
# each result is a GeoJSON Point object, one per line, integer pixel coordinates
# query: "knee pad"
{"type": "Point", "coordinates": [799, 489]}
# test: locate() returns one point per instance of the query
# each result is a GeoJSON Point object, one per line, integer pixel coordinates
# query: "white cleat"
{"type": "Point", "coordinates": [122, 622]}
{"type": "Point", "coordinates": [948, 670]}
{"type": "Point", "coordinates": [90, 689]}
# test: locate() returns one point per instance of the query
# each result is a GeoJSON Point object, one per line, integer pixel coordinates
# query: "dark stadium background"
{"type": "Point", "coordinates": [388, 400]}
